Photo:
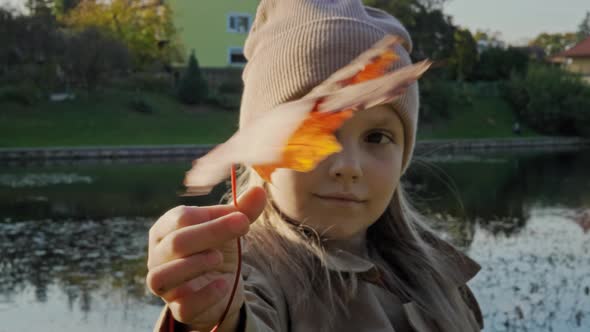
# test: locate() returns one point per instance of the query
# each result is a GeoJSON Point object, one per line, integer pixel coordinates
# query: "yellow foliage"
{"type": "Point", "coordinates": [147, 29]}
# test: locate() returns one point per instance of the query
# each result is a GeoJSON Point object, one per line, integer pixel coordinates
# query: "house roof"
{"type": "Point", "coordinates": [581, 50]}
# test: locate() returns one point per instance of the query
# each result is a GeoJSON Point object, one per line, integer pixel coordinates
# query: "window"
{"type": "Point", "coordinates": [236, 56]}
{"type": "Point", "coordinates": [239, 22]}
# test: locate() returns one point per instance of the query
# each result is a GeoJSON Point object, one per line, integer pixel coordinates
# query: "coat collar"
{"type": "Point", "coordinates": [343, 261]}
{"type": "Point", "coordinates": [340, 260]}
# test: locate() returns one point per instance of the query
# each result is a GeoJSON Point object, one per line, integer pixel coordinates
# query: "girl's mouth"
{"type": "Point", "coordinates": [342, 198]}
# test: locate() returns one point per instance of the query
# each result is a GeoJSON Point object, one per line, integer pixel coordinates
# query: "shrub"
{"type": "Point", "coordinates": [23, 94]}
{"type": "Point", "coordinates": [231, 87]}
{"type": "Point", "coordinates": [140, 105]}
{"type": "Point", "coordinates": [225, 101]}
{"type": "Point", "coordinates": [551, 101]}
{"type": "Point", "coordinates": [156, 82]}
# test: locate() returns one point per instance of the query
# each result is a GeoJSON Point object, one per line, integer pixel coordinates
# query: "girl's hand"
{"type": "Point", "coordinates": [192, 259]}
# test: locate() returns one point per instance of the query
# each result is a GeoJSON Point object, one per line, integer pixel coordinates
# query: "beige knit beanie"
{"type": "Point", "coordinates": [296, 44]}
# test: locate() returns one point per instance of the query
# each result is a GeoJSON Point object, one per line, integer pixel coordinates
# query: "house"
{"type": "Point", "coordinates": [215, 30]}
{"type": "Point", "coordinates": [576, 59]}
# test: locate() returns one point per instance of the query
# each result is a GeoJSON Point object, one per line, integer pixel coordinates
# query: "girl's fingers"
{"type": "Point", "coordinates": [250, 203]}
{"type": "Point", "coordinates": [189, 240]}
{"type": "Point", "coordinates": [182, 216]}
{"type": "Point", "coordinates": [163, 278]}
{"type": "Point", "coordinates": [189, 303]}
{"type": "Point", "coordinates": [168, 240]}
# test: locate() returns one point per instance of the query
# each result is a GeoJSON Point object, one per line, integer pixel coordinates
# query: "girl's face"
{"type": "Point", "coordinates": [348, 191]}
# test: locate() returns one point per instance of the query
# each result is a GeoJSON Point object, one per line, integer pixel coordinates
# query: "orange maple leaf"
{"type": "Point", "coordinates": [314, 140]}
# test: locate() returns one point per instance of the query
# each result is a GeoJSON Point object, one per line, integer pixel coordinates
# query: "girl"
{"type": "Point", "coordinates": [338, 248]}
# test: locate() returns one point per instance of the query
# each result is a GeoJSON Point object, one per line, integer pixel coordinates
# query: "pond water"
{"type": "Point", "coordinates": [73, 237]}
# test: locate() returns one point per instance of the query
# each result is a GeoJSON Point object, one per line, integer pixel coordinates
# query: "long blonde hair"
{"type": "Point", "coordinates": [294, 254]}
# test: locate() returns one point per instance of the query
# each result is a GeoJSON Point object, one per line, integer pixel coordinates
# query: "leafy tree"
{"type": "Point", "coordinates": [486, 39]}
{"type": "Point", "coordinates": [405, 10]}
{"type": "Point", "coordinates": [39, 7]}
{"type": "Point", "coordinates": [31, 45]}
{"type": "Point", "coordinates": [553, 43]}
{"type": "Point", "coordinates": [91, 56]}
{"type": "Point", "coordinates": [496, 63]}
{"type": "Point", "coordinates": [192, 87]}
{"type": "Point", "coordinates": [402, 9]}
{"type": "Point", "coordinates": [433, 4]}
{"type": "Point", "coordinates": [584, 28]}
{"type": "Point", "coordinates": [434, 35]}
{"type": "Point", "coordinates": [432, 30]}
{"type": "Point", "coordinates": [464, 57]}
{"type": "Point", "coordinates": [62, 7]}
{"type": "Point", "coordinates": [487, 36]}
{"type": "Point", "coordinates": [145, 27]}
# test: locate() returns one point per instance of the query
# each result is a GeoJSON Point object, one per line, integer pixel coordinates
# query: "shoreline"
{"type": "Point", "coordinates": [196, 150]}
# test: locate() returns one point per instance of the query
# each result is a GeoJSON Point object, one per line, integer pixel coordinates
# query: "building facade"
{"type": "Point", "coordinates": [215, 29]}
{"type": "Point", "coordinates": [576, 59]}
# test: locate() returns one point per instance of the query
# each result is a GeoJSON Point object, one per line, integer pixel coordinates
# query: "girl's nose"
{"type": "Point", "coordinates": [346, 165]}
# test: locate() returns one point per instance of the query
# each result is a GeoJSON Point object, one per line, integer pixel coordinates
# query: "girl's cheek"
{"type": "Point", "coordinates": [385, 159]}
{"type": "Point", "coordinates": [288, 190]}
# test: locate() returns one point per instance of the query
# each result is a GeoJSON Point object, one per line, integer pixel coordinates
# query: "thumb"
{"type": "Point", "coordinates": [252, 203]}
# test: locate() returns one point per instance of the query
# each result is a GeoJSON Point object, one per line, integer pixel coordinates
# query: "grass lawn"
{"type": "Point", "coordinates": [106, 119]}
{"type": "Point", "coordinates": [485, 117]}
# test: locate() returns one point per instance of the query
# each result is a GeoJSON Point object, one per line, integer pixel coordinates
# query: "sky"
{"type": "Point", "coordinates": [516, 20]}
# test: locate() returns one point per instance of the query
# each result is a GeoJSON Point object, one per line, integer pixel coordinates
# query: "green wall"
{"type": "Point", "coordinates": [202, 26]}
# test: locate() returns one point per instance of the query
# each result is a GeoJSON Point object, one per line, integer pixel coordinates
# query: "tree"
{"type": "Point", "coordinates": [434, 35]}
{"type": "Point", "coordinates": [496, 63]}
{"type": "Point", "coordinates": [584, 28]}
{"type": "Point", "coordinates": [401, 9]}
{"type": "Point", "coordinates": [145, 27]}
{"type": "Point", "coordinates": [432, 30]}
{"type": "Point", "coordinates": [464, 56]}
{"type": "Point", "coordinates": [487, 39]}
{"type": "Point", "coordinates": [62, 7]}
{"type": "Point", "coordinates": [91, 55]}
{"type": "Point", "coordinates": [192, 87]}
{"type": "Point", "coordinates": [405, 10]}
{"type": "Point", "coordinates": [30, 39]}
{"type": "Point", "coordinates": [553, 43]}
{"type": "Point", "coordinates": [39, 7]}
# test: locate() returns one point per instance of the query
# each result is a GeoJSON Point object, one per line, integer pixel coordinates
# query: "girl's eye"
{"type": "Point", "coordinates": [379, 138]}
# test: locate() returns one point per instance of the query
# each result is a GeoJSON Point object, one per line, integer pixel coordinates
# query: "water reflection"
{"type": "Point", "coordinates": [497, 191]}
{"type": "Point", "coordinates": [73, 252]}
{"type": "Point", "coordinates": [76, 254]}
{"type": "Point", "coordinates": [538, 280]}
{"type": "Point", "coordinates": [126, 189]}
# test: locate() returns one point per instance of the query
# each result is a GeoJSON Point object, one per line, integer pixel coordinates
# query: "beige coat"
{"type": "Point", "coordinates": [374, 308]}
